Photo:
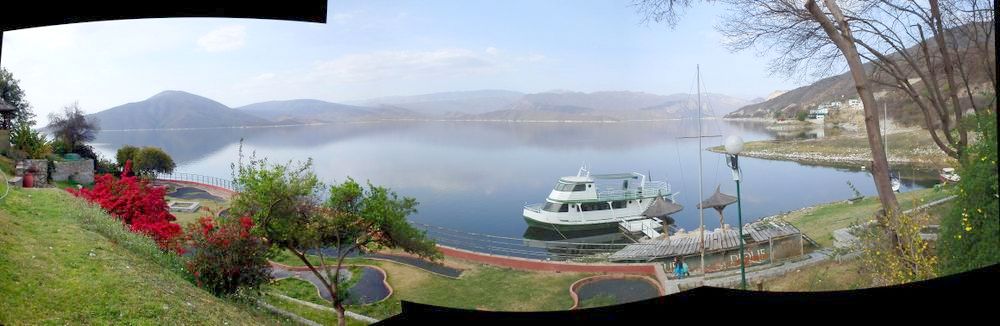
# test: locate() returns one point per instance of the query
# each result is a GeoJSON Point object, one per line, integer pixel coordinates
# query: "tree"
{"type": "Point", "coordinates": [225, 256]}
{"type": "Point", "coordinates": [150, 160]}
{"type": "Point", "coordinates": [283, 201]}
{"type": "Point", "coordinates": [805, 38]}
{"type": "Point", "coordinates": [11, 93]}
{"type": "Point", "coordinates": [125, 153]}
{"type": "Point", "coordinates": [73, 127]}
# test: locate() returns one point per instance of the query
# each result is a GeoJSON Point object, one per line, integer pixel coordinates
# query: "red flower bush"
{"type": "Point", "coordinates": [225, 256]}
{"type": "Point", "coordinates": [137, 204]}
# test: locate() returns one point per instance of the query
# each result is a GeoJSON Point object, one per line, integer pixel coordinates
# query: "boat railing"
{"type": "Point", "coordinates": [651, 188]}
{"type": "Point", "coordinates": [537, 208]}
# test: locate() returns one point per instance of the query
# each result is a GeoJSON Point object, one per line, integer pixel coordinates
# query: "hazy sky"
{"type": "Point", "coordinates": [382, 48]}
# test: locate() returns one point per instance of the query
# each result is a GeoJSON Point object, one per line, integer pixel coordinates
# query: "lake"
{"type": "Point", "coordinates": [475, 177]}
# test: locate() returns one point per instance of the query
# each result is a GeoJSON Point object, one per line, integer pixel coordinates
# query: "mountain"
{"type": "Point", "coordinates": [450, 103]}
{"type": "Point", "coordinates": [174, 109]}
{"type": "Point", "coordinates": [611, 106]}
{"type": "Point", "coordinates": [305, 111]}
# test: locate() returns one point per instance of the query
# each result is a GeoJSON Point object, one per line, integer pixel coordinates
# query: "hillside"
{"type": "Point", "coordinates": [305, 111]}
{"type": "Point", "coordinates": [451, 103]}
{"type": "Point", "coordinates": [55, 270]}
{"type": "Point", "coordinates": [174, 109]}
{"type": "Point", "coordinates": [900, 107]}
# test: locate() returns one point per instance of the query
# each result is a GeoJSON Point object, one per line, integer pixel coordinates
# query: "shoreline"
{"type": "Point", "coordinates": [914, 148]}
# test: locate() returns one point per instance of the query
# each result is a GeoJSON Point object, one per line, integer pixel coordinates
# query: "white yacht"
{"type": "Point", "coordinates": [599, 201]}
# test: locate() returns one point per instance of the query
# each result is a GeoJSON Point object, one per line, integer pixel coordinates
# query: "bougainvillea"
{"type": "Point", "coordinates": [136, 203]}
{"type": "Point", "coordinates": [225, 256]}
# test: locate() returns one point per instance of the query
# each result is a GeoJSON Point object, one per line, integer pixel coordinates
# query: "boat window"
{"type": "Point", "coordinates": [594, 206]}
{"type": "Point", "coordinates": [570, 187]}
{"type": "Point", "coordinates": [618, 204]}
{"type": "Point", "coordinates": [556, 207]}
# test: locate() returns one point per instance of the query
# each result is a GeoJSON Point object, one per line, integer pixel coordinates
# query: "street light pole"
{"type": "Point", "coordinates": [734, 145]}
{"type": "Point", "coordinates": [739, 214]}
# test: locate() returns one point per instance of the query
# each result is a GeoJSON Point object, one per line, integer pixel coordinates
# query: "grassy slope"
{"type": "Point", "coordinates": [479, 287]}
{"type": "Point", "coordinates": [52, 270]}
{"type": "Point", "coordinates": [819, 222]}
{"type": "Point", "coordinates": [825, 276]}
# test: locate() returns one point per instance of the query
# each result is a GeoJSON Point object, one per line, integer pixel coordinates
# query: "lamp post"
{"type": "Point", "coordinates": [734, 145]}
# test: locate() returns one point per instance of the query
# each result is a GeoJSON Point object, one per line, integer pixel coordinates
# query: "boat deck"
{"type": "Point", "coordinates": [688, 243]}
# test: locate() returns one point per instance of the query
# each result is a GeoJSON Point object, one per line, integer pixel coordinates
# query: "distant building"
{"type": "Point", "coordinates": [819, 113]}
{"type": "Point", "coordinates": [835, 104]}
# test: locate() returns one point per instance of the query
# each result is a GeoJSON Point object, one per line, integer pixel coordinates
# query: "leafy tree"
{"type": "Point", "coordinates": [11, 93]}
{"type": "Point", "coordinates": [283, 200]}
{"type": "Point", "coordinates": [126, 153]}
{"type": "Point", "coordinates": [150, 160]}
{"type": "Point", "coordinates": [970, 234]}
{"type": "Point", "coordinates": [73, 127]}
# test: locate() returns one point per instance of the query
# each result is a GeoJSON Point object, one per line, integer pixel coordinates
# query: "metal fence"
{"type": "Point", "coordinates": [203, 179]}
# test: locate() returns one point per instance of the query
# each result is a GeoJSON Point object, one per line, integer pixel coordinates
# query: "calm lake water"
{"type": "Point", "coordinates": [477, 176]}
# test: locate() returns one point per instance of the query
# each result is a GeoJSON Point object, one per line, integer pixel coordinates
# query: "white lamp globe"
{"type": "Point", "coordinates": [734, 144]}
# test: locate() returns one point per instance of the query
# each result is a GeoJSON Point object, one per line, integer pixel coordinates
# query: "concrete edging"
{"type": "Point", "coordinates": [583, 281]}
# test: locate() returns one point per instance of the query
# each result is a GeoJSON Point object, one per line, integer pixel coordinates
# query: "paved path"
{"type": "Point", "coordinates": [732, 278]}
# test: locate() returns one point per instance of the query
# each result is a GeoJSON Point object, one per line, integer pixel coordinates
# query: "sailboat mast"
{"type": "Point", "coordinates": [701, 212]}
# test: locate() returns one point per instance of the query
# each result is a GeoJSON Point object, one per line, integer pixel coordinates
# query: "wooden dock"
{"type": "Point", "coordinates": [689, 242]}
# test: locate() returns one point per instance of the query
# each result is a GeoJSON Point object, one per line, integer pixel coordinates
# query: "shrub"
{"type": "Point", "coordinates": [137, 204]}
{"type": "Point", "coordinates": [126, 153]}
{"type": "Point", "coordinates": [225, 256]}
{"type": "Point", "coordinates": [32, 143]}
{"type": "Point", "coordinates": [103, 165]}
{"type": "Point", "coordinates": [970, 233]}
{"type": "Point", "coordinates": [802, 115]}
{"type": "Point", "coordinates": [146, 160]}
{"type": "Point", "coordinates": [900, 257]}
{"type": "Point", "coordinates": [153, 159]}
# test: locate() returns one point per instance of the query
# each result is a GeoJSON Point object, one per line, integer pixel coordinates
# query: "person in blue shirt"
{"type": "Point", "coordinates": [680, 269]}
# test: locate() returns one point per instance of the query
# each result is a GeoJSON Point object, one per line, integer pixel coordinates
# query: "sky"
{"type": "Point", "coordinates": [371, 49]}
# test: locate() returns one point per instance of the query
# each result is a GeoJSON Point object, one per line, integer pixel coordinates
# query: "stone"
{"type": "Point", "coordinates": [79, 171]}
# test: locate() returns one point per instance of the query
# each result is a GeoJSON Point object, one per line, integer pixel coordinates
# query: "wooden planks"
{"type": "Point", "coordinates": [690, 244]}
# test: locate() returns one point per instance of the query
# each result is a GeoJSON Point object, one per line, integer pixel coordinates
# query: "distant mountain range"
{"type": "Point", "coordinates": [177, 109]}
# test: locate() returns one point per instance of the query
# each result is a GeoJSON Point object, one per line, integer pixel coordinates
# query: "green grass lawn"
{"type": "Point", "coordinates": [819, 222]}
{"type": "Point", "coordinates": [480, 287]}
{"type": "Point", "coordinates": [54, 270]}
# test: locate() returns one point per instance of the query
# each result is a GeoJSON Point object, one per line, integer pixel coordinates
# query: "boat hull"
{"type": "Point", "coordinates": [611, 226]}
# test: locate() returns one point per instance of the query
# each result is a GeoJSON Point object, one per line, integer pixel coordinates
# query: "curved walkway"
{"type": "Point", "coordinates": [370, 288]}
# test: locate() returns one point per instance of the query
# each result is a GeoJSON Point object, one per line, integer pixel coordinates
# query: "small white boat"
{"type": "Point", "coordinates": [599, 201]}
{"type": "Point", "coordinates": [949, 175]}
